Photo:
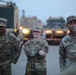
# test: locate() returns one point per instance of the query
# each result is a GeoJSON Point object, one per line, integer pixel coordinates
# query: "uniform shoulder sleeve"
{"type": "Point", "coordinates": [27, 42]}
{"type": "Point", "coordinates": [13, 39]}
{"type": "Point", "coordinates": [15, 49]}
{"type": "Point", "coordinates": [62, 51]}
{"type": "Point", "coordinates": [11, 36]}
{"type": "Point", "coordinates": [45, 45]}
{"type": "Point", "coordinates": [66, 41]}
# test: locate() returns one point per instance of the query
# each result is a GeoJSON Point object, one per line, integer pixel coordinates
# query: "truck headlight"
{"type": "Point", "coordinates": [68, 31]}
{"type": "Point", "coordinates": [20, 27]}
{"type": "Point", "coordinates": [48, 31]}
{"type": "Point", "coordinates": [26, 31]}
{"type": "Point", "coordinates": [15, 30]}
{"type": "Point", "coordinates": [59, 32]}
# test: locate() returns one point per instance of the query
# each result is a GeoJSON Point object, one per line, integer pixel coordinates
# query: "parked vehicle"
{"type": "Point", "coordinates": [55, 30]}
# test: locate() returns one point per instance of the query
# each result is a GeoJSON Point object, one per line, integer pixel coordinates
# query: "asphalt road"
{"type": "Point", "coordinates": [52, 62]}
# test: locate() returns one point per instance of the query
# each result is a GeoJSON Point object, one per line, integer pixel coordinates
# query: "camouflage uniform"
{"type": "Point", "coordinates": [9, 52]}
{"type": "Point", "coordinates": [70, 71]}
{"type": "Point", "coordinates": [67, 50]}
{"type": "Point", "coordinates": [36, 64]}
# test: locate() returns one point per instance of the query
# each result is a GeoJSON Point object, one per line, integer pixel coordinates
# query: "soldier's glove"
{"type": "Point", "coordinates": [43, 53]}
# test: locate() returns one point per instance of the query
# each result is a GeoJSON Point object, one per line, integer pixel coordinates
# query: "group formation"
{"type": "Point", "coordinates": [36, 50]}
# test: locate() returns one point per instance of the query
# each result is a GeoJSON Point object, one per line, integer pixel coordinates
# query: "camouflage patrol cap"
{"type": "Point", "coordinates": [70, 18]}
{"type": "Point", "coordinates": [37, 28]}
{"type": "Point", "coordinates": [3, 22]}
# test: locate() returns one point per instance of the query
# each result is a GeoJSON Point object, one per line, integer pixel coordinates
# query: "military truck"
{"type": "Point", "coordinates": [55, 30]}
{"type": "Point", "coordinates": [10, 11]}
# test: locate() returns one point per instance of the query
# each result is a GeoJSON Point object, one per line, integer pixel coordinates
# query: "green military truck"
{"type": "Point", "coordinates": [10, 12]}
{"type": "Point", "coordinates": [55, 30]}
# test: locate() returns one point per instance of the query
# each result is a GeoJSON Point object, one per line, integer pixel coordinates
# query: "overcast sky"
{"type": "Point", "coordinates": [42, 9]}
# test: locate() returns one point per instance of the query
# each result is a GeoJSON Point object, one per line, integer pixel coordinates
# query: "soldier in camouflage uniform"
{"type": "Point", "coordinates": [35, 50]}
{"type": "Point", "coordinates": [67, 49]}
{"type": "Point", "coordinates": [9, 49]}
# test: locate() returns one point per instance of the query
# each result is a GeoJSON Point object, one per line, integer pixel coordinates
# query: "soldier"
{"type": "Point", "coordinates": [67, 49]}
{"type": "Point", "coordinates": [35, 50]}
{"type": "Point", "coordinates": [9, 49]}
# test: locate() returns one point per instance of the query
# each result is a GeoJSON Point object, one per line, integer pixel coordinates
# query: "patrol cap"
{"type": "Point", "coordinates": [70, 18]}
{"type": "Point", "coordinates": [3, 22]}
{"type": "Point", "coordinates": [37, 28]}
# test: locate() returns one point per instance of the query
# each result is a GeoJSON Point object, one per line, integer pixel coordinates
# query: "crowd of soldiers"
{"type": "Point", "coordinates": [36, 50]}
